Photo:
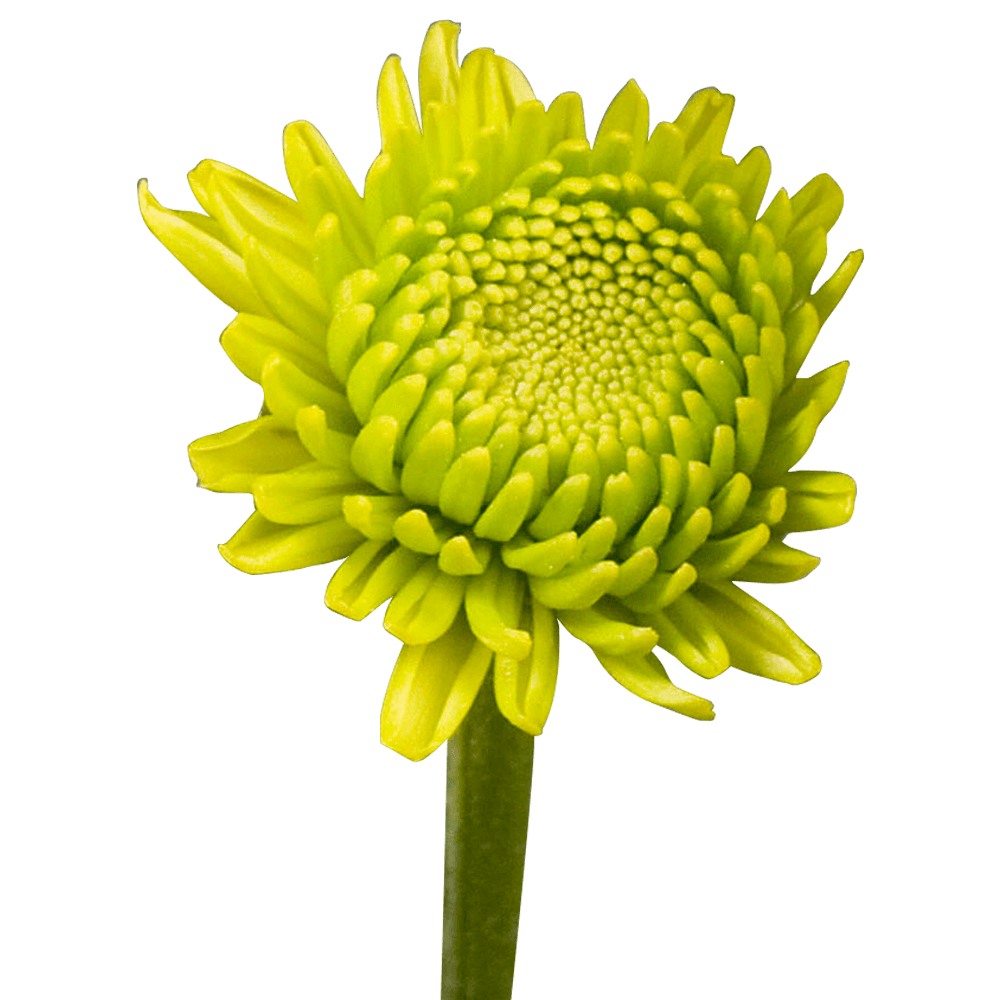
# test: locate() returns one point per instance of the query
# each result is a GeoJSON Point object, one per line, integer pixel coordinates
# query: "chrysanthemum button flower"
{"type": "Point", "coordinates": [526, 380]}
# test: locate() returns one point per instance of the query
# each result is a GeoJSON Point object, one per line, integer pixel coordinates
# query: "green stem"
{"type": "Point", "coordinates": [486, 829]}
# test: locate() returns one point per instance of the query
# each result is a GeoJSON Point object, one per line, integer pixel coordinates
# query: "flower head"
{"type": "Point", "coordinates": [526, 380]}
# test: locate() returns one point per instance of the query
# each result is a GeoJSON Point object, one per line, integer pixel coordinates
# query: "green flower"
{"type": "Point", "coordinates": [523, 381]}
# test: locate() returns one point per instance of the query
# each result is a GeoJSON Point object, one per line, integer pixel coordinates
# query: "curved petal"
{"type": "Point", "coordinates": [605, 631]}
{"type": "Point", "coordinates": [263, 547]}
{"type": "Point", "coordinates": [437, 76]}
{"type": "Point", "coordinates": [817, 500]}
{"type": "Point", "coordinates": [688, 633]}
{"type": "Point", "coordinates": [644, 676]}
{"type": "Point", "coordinates": [303, 495]}
{"type": "Point", "coordinates": [425, 607]}
{"type": "Point", "coordinates": [369, 577]}
{"type": "Point", "coordinates": [778, 563]}
{"type": "Point", "coordinates": [493, 602]}
{"type": "Point", "coordinates": [759, 642]}
{"type": "Point", "coordinates": [431, 690]}
{"type": "Point", "coordinates": [202, 252]}
{"type": "Point", "coordinates": [524, 688]}
{"type": "Point", "coordinates": [251, 340]}
{"type": "Point", "coordinates": [227, 462]}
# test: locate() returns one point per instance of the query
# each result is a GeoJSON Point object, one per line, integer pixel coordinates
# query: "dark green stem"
{"type": "Point", "coordinates": [486, 829]}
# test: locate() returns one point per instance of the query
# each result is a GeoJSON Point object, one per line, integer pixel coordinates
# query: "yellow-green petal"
{"type": "Point", "coordinates": [303, 495]}
{"type": "Point", "coordinates": [322, 186]}
{"type": "Point", "coordinates": [777, 562]}
{"type": "Point", "coordinates": [425, 606]}
{"type": "Point", "coordinates": [261, 546]}
{"type": "Point", "coordinates": [369, 577]}
{"type": "Point", "coordinates": [251, 340]}
{"type": "Point", "coordinates": [603, 629]}
{"type": "Point", "coordinates": [644, 676]}
{"type": "Point", "coordinates": [288, 389]}
{"type": "Point", "coordinates": [438, 71]}
{"type": "Point", "coordinates": [204, 254]}
{"type": "Point", "coordinates": [687, 632]}
{"type": "Point", "coordinates": [817, 500]}
{"type": "Point", "coordinates": [524, 688]}
{"type": "Point", "coordinates": [493, 602]}
{"type": "Point", "coordinates": [759, 642]}
{"type": "Point", "coordinates": [227, 462]}
{"type": "Point", "coordinates": [431, 689]}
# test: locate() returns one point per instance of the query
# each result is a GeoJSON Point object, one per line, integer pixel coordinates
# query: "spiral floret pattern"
{"type": "Point", "coordinates": [524, 381]}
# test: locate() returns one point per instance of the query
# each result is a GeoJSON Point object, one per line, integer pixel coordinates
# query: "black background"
{"type": "Point", "coordinates": [653, 838]}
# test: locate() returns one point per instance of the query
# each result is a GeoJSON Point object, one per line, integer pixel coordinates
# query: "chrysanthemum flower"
{"type": "Point", "coordinates": [526, 380]}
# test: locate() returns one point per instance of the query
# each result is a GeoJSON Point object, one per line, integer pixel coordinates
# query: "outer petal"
{"type": "Point", "coordinates": [703, 122]}
{"type": "Point", "coordinates": [825, 300]}
{"type": "Point", "coordinates": [689, 633]}
{"type": "Point", "coordinates": [246, 207]}
{"type": "Point", "coordinates": [645, 676]}
{"type": "Point", "coordinates": [817, 500]}
{"type": "Point", "coordinates": [303, 495]}
{"type": "Point", "coordinates": [759, 642]}
{"type": "Point", "coordinates": [490, 88]}
{"type": "Point", "coordinates": [376, 571]}
{"type": "Point", "coordinates": [604, 630]}
{"type": "Point", "coordinates": [287, 390]}
{"type": "Point", "coordinates": [227, 462]}
{"type": "Point", "coordinates": [438, 73]}
{"type": "Point", "coordinates": [251, 340]}
{"type": "Point", "coordinates": [205, 255]}
{"type": "Point", "coordinates": [322, 187]}
{"type": "Point", "coordinates": [778, 563]}
{"type": "Point", "coordinates": [262, 547]}
{"type": "Point", "coordinates": [431, 689]}
{"type": "Point", "coordinates": [425, 607]}
{"type": "Point", "coordinates": [626, 121]}
{"type": "Point", "coordinates": [524, 688]}
{"type": "Point", "coordinates": [401, 139]}
{"type": "Point", "coordinates": [493, 606]}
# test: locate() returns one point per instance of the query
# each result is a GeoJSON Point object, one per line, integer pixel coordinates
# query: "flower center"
{"type": "Point", "coordinates": [587, 313]}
